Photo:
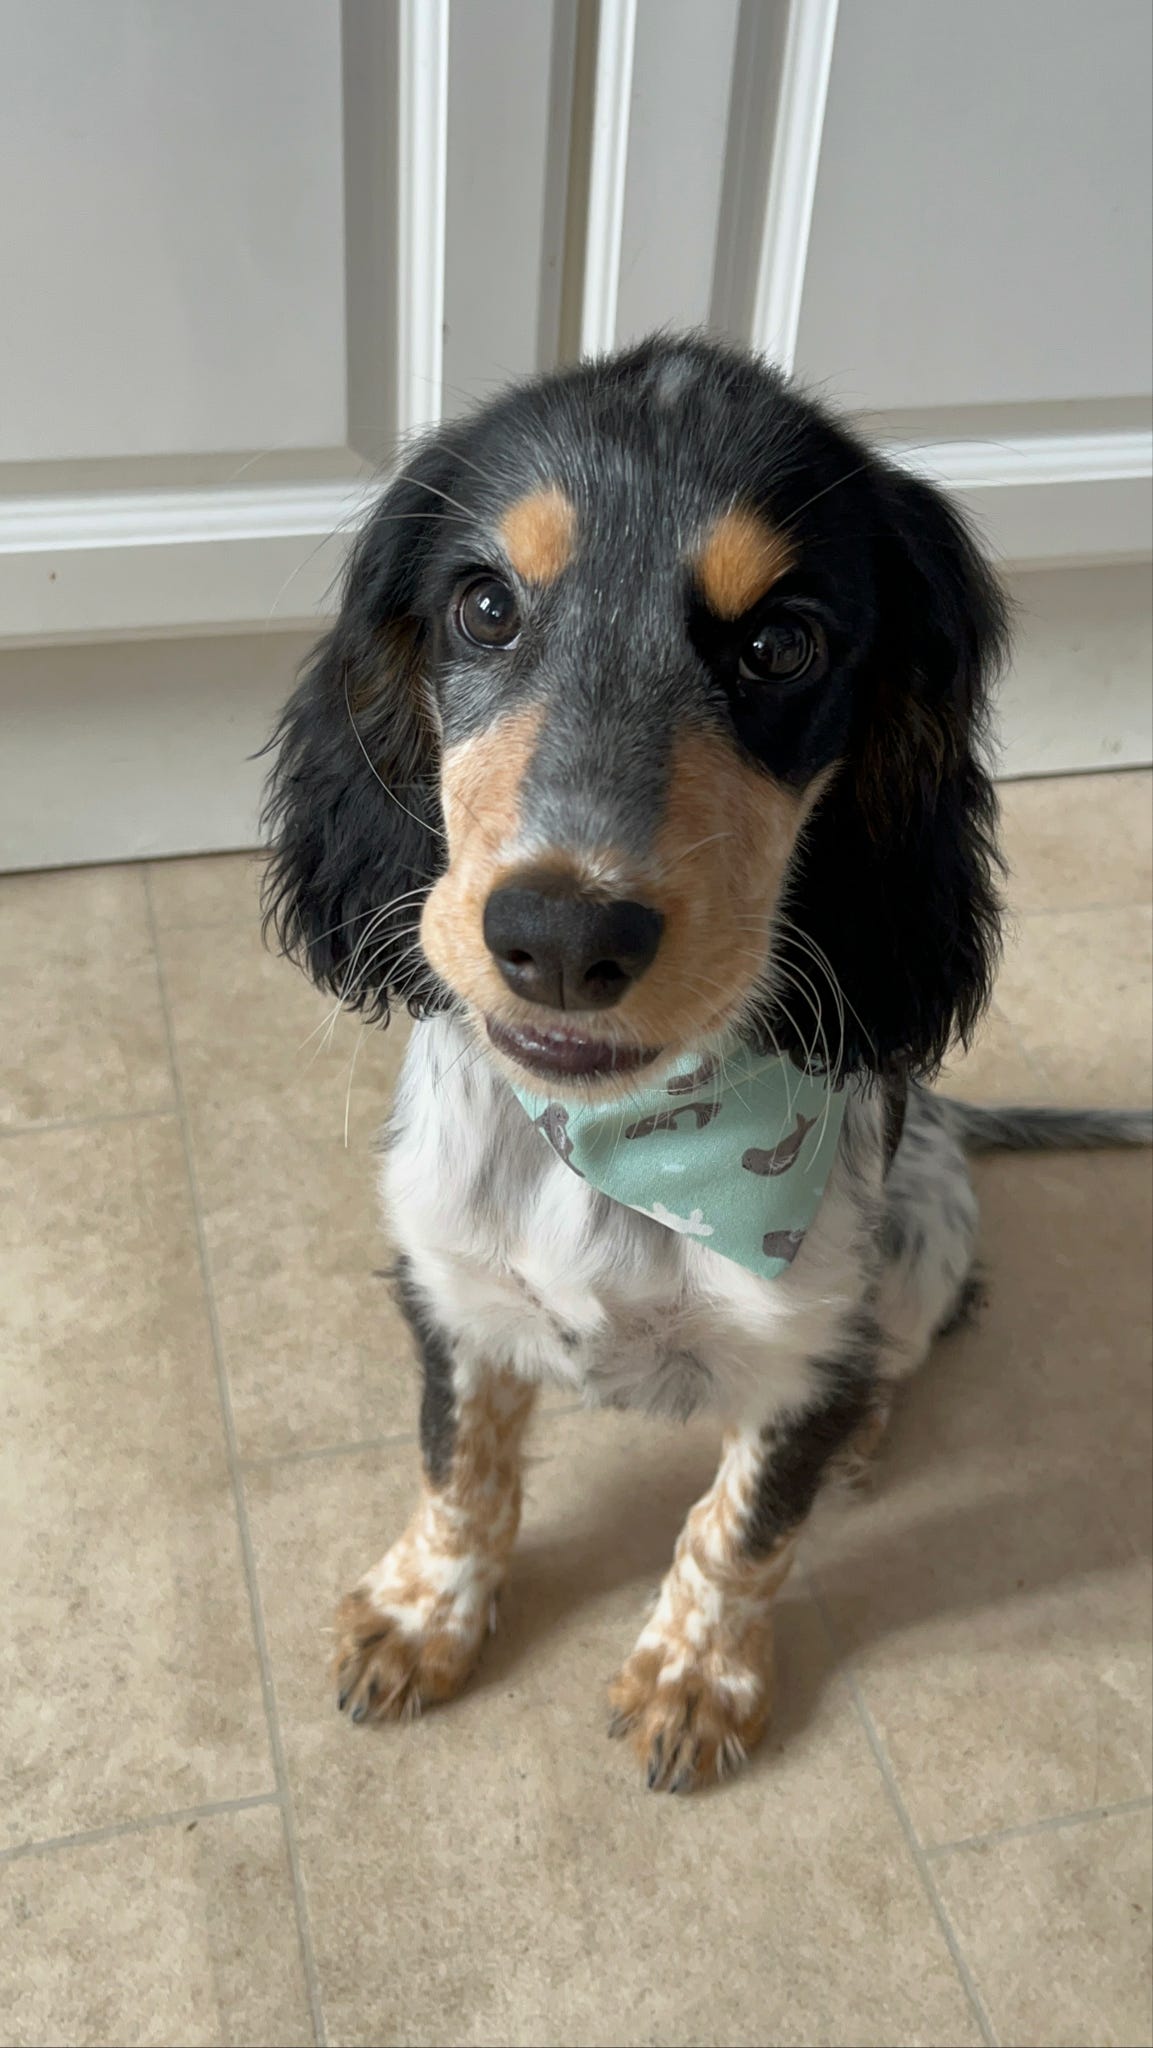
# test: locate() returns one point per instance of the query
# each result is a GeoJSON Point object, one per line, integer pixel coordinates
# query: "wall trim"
{"type": "Point", "coordinates": [30, 525]}
{"type": "Point", "coordinates": [1047, 500]}
{"type": "Point", "coordinates": [422, 184]}
{"type": "Point", "coordinates": [132, 564]}
{"type": "Point", "coordinates": [806, 61]}
{"type": "Point", "coordinates": [1032, 459]}
{"type": "Point", "coordinates": [137, 563]}
{"type": "Point", "coordinates": [608, 166]}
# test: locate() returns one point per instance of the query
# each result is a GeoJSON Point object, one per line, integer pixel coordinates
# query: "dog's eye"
{"type": "Point", "coordinates": [782, 650]}
{"type": "Point", "coordinates": [486, 613]}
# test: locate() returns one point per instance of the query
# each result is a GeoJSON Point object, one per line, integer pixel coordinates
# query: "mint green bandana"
{"type": "Point", "coordinates": [736, 1156]}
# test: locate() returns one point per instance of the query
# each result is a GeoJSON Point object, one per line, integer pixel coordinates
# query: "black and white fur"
{"type": "Point", "coordinates": [529, 1264]}
{"type": "Point", "coordinates": [877, 951]}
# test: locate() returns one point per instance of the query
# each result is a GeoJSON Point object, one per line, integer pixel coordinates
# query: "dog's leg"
{"type": "Point", "coordinates": [853, 1466]}
{"type": "Point", "coordinates": [412, 1630]}
{"type": "Point", "coordinates": [695, 1695]}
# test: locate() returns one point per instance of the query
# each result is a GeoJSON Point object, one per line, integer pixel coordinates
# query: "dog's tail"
{"type": "Point", "coordinates": [1026, 1129]}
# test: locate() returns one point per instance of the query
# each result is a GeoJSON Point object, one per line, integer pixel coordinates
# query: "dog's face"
{"type": "Point", "coordinates": [642, 681]}
{"type": "Point", "coordinates": [649, 716]}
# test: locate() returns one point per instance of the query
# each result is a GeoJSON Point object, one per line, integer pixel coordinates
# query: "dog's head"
{"type": "Point", "coordinates": [652, 713]}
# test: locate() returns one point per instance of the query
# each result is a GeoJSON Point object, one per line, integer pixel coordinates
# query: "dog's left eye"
{"type": "Point", "coordinates": [486, 612]}
{"type": "Point", "coordinates": [783, 650]}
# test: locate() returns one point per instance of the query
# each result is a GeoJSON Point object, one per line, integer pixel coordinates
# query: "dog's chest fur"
{"type": "Point", "coordinates": [531, 1268]}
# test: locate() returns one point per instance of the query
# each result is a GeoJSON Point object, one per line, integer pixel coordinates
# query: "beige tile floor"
{"type": "Point", "coordinates": [209, 1405]}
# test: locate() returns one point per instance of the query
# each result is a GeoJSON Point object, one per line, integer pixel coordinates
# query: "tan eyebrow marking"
{"type": "Point", "coordinates": [539, 534]}
{"type": "Point", "coordinates": [740, 559]}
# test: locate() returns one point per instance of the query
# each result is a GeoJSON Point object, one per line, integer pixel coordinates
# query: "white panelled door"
{"type": "Point", "coordinates": [246, 250]}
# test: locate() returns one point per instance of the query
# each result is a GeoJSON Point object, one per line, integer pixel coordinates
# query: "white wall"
{"type": "Point", "coordinates": [171, 232]}
{"type": "Point", "coordinates": [984, 207]}
{"type": "Point", "coordinates": [500, 55]}
{"type": "Point", "coordinates": [683, 61]}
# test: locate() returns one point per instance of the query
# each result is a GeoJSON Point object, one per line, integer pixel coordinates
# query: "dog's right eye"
{"type": "Point", "coordinates": [486, 613]}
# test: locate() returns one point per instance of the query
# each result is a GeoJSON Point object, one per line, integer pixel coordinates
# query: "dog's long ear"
{"type": "Point", "coordinates": [897, 882]}
{"type": "Point", "coordinates": [352, 809]}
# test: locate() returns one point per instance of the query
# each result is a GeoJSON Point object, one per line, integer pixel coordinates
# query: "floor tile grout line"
{"type": "Point", "coordinates": [271, 1461]}
{"type": "Point", "coordinates": [924, 1870]}
{"type": "Point", "coordinates": [146, 1823]}
{"type": "Point", "coordinates": [1049, 1823]}
{"type": "Point", "coordinates": [46, 1125]}
{"type": "Point", "coordinates": [912, 1839]}
{"type": "Point", "coordinates": [240, 1502]}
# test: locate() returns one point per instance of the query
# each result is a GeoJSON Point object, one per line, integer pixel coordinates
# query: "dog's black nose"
{"type": "Point", "coordinates": [569, 951]}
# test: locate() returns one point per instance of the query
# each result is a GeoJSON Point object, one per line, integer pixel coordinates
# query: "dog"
{"type": "Point", "coordinates": [645, 763]}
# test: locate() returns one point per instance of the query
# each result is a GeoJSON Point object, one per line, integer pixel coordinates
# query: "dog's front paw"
{"type": "Point", "coordinates": [388, 1664]}
{"type": "Point", "coordinates": [689, 1718]}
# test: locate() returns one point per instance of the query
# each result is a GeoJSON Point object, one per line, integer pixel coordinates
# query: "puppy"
{"type": "Point", "coordinates": [644, 764]}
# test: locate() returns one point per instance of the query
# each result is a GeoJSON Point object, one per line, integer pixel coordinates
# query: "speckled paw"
{"type": "Point", "coordinates": [687, 1729]}
{"type": "Point", "coordinates": [384, 1673]}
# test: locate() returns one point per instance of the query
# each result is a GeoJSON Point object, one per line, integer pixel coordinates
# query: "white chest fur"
{"type": "Point", "coordinates": [526, 1266]}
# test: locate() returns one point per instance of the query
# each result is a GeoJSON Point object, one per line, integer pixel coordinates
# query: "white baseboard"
{"type": "Point", "coordinates": [1077, 694]}
{"type": "Point", "coordinates": [119, 752]}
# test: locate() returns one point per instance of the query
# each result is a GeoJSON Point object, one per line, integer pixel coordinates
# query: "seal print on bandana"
{"type": "Point", "coordinates": [780, 1157]}
{"type": "Point", "coordinates": [554, 1124]}
{"type": "Point", "coordinates": [666, 1119]}
{"type": "Point", "coordinates": [782, 1244]}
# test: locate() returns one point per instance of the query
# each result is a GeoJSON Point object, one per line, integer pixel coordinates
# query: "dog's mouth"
{"type": "Point", "coordinates": [564, 1054]}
